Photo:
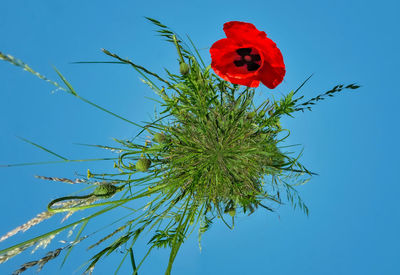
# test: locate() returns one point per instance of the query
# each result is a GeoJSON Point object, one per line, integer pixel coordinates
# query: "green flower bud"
{"type": "Point", "coordinates": [143, 165]}
{"type": "Point", "coordinates": [232, 212]}
{"type": "Point", "coordinates": [106, 190]}
{"type": "Point", "coordinates": [184, 68]}
{"type": "Point", "coordinates": [251, 115]}
{"type": "Point", "coordinates": [159, 137]}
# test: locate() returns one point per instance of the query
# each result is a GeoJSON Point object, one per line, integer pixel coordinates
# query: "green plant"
{"type": "Point", "coordinates": [217, 156]}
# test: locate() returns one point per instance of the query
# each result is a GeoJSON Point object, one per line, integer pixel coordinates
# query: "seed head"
{"type": "Point", "coordinates": [251, 115]}
{"type": "Point", "coordinates": [184, 68]}
{"type": "Point", "coordinates": [143, 165]}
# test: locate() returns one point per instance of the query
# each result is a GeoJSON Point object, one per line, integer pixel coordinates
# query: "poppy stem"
{"type": "Point", "coordinates": [178, 48]}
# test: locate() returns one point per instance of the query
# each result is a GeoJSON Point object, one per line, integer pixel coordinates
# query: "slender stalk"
{"type": "Point", "coordinates": [133, 261]}
{"type": "Point", "coordinates": [178, 48]}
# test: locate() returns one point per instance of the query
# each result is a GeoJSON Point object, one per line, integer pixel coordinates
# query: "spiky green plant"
{"type": "Point", "coordinates": [217, 156]}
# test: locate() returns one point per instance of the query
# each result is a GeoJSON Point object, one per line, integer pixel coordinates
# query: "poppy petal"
{"type": "Point", "coordinates": [223, 56]}
{"type": "Point", "coordinates": [273, 70]}
{"type": "Point", "coordinates": [271, 76]}
{"type": "Point", "coordinates": [249, 82]}
{"type": "Point", "coordinates": [248, 33]}
{"type": "Point", "coordinates": [241, 31]}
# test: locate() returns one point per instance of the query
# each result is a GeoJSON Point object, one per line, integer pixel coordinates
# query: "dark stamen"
{"type": "Point", "coordinates": [255, 57]}
{"type": "Point", "coordinates": [239, 63]}
{"type": "Point", "coordinates": [243, 51]}
{"type": "Point", "coordinates": [252, 66]}
{"type": "Point", "coordinates": [247, 59]}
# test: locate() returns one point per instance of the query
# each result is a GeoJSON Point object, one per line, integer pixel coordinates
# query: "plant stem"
{"type": "Point", "coordinates": [178, 49]}
{"type": "Point", "coordinates": [133, 262]}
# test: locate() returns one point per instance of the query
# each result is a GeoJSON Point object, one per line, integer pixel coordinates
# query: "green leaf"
{"type": "Point", "coordinates": [43, 148]}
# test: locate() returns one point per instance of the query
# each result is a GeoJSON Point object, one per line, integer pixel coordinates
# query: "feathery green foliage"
{"type": "Point", "coordinates": [217, 157]}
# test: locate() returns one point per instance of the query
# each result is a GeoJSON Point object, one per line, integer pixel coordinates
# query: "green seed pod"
{"type": "Point", "coordinates": [106, 190]}
{"type": "Point", "coordinates": [143, 165]}
{"type": "Point", "coordinates": [232, 212]}
{"type": "Point", "coordinates": [201, 80]}
{"type": "Point", "coordinates": [184, 68]}
{"type": "Point", "coordinates": [159, 137]}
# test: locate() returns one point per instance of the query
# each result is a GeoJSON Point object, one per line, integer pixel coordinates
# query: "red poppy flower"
{"type": "Point", "coordinates": [247, 56]}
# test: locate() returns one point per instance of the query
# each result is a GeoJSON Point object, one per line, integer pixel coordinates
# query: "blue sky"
{"type": "Point", "coordinates": [351, 141]}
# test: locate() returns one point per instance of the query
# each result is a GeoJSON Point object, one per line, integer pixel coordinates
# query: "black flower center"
{"type": "Point", "coordinates": [248, 59]}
